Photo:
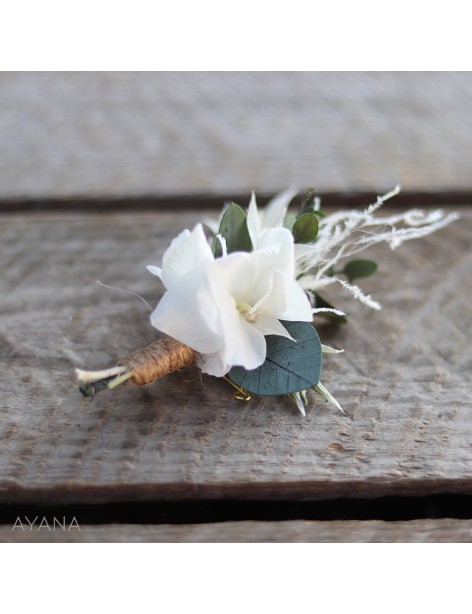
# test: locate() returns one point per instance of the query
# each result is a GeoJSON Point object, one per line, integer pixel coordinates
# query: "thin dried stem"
{"type": "Point", "coordinates": [144, 366]}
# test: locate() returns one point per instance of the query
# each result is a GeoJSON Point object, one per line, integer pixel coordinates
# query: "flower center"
{"type": "Point", "coordinates": [246, 310]}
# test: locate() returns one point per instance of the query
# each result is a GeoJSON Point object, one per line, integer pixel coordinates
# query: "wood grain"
{"type": "Point", "coordinates": [135, 133]}
{"type": "Point", "coordinates": [404, 379]}
{"type": "Point", "coordinates": [434, 530]}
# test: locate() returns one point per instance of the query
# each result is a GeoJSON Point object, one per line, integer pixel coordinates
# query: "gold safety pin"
{"type": "Point", "coordinates": [240, 394]}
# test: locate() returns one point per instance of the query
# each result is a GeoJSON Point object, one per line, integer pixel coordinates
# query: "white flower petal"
{"type": "Point", "coordinates": [297, 308]}
{"type": "Point", "coordinates": [277, 247]}
{"type": "Point", "coordinates": [243, 345]}
{"type": "Point", "coordinates": [212, 225]}
{"type": "Point", "coordinates": [213, 364]}
{"type": "Point", "coordinates": [276, 209]}
{"type": "Point", "coordinates": [267, 324]}
{"type": "Point", "coordinates": [272, 216]}
{"type": "Point", "coordinates": [251, 348]}
{"type": "Point", "coordinates": [187, 251]}
{"type": "Point", "coordinates": [189, 313]}
{"type": "Point", "coordinates": [253, 221]}
{"type": "Point", "coordinates": [273, 301]}
{"type": "Point", "coordinates": [155, 270]}
{"type": "Point", "coordinates": [236, 273]}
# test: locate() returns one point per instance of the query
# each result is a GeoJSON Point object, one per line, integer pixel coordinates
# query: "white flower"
{"type": "Point", "coordinates": [259, 221]}
{"type": "Point", "coordinates": [222, 308]}
{"type": "Point", "coordinates": [272, 216]}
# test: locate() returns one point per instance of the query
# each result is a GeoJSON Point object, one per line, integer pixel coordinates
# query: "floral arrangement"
{"type": "Point", "coordinates": [241, 297]}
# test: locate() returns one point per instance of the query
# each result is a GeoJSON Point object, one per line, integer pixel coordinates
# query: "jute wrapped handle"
{"type": "Point", "coordinates": [157, 359]}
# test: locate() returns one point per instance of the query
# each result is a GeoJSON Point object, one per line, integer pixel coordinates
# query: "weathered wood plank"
{"type": "Point", "coordinates": [135, 133]}
{"type": "Point", "coordinates": [404, 379]}
{"type": "Point", "coordinates": [305, 531]}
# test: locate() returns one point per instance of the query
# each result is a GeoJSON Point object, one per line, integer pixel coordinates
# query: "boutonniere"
{"type": "Point", "coordinates": [242, 293]}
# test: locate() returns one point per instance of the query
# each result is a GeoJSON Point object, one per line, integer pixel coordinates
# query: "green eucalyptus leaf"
{"type": "Point", "coordinates": [233, 227]}
{"type": "Point", "coordinates": [359, 268]}
{"type": "Point", "coordinates": [320, 302]}
{"type": "Point", "coordinates": [290, 366]}
{"type": "Point", "coordinates": [305, 228]}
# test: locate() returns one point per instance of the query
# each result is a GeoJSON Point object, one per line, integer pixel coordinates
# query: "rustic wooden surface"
{"type": "Point", "coordinates": [432, 530]}
{"type": "Point", "coordinates": [404, 379]}
{"type": "Point", "coordinates": [133, 133]}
